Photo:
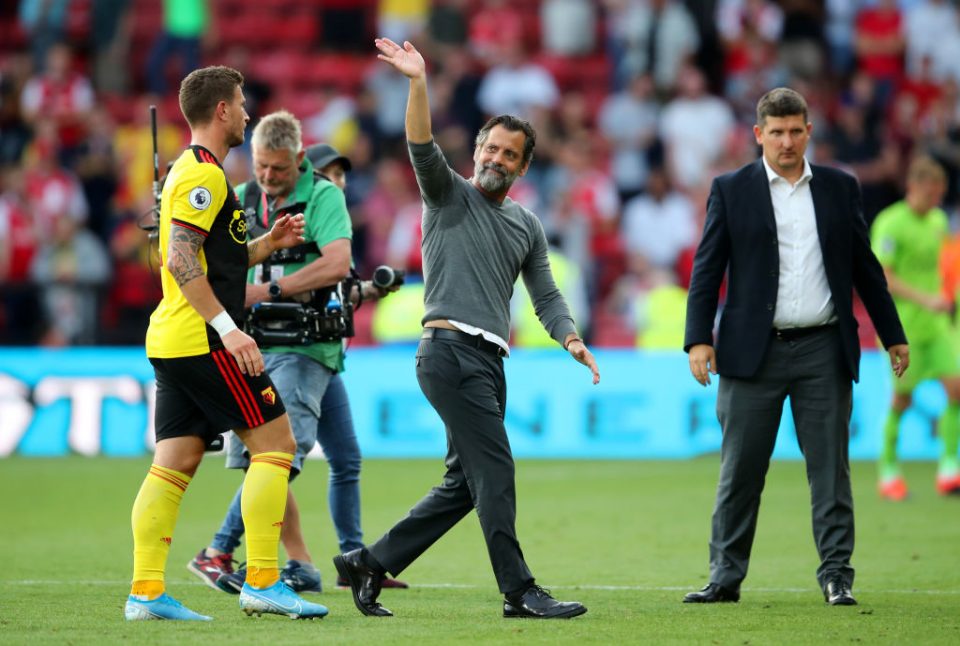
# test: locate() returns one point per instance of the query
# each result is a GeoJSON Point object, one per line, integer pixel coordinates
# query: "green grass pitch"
{"type": "Point", "coordinates": [625, 538]}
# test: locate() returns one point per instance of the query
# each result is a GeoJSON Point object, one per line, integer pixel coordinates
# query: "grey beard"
{"type": "Point", "coordinates": [493, 182]}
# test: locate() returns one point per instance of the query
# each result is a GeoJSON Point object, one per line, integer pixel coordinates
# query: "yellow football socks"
{"type": "Point", "coordinates": [154, 516]}
{"type": "Point", "coordinates": [262, 504]}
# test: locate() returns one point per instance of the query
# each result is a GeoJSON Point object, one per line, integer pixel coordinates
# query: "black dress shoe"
{"type": "Point", "coordinates": [712, 593]}
{"type": "Point", "coordinates": [837, 593]}
{"type": "Point", "coordinates": [365, 583]}
{"type": "Point", "coordinates": [536, 603]}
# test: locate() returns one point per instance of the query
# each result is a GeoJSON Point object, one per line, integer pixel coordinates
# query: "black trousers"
{"type": "Point", "coordinates": [811, 371]}
{"type": "Point", "coordinates": [467, 388]}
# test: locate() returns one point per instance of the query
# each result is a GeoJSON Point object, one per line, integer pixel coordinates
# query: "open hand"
{"type": "Point", "coordinates": [244, 349]}
{"type": "Point", "coordinates": [703, 361]}
{"type": "Point", "coordinates": [899, 358]}
{"type": "Point", "coordinates": [580, 352]}
{"type": "Point", "coordinates": [406, 60]}
{"type": "Point", "coordinates": [287, 231]}
{"type": "Point", "coordinates": [938, 303]}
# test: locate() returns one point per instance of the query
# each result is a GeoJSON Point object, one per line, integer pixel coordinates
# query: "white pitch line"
{"type": "Point", "coordinates": [467, 586]}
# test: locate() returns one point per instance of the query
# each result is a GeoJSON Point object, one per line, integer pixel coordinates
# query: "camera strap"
{"type": "Point", "coordinates": [256, 227]}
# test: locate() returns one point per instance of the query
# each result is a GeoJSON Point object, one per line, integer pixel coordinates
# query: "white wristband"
{"type": "Point", "coordinates": [223, 324]}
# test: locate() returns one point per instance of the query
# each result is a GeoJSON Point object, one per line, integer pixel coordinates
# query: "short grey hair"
{"type": "Point", "coordinates": [278, 130]}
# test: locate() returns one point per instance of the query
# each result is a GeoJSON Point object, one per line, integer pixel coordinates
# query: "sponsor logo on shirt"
{"type": "Point", "coordinates": [238, 227]}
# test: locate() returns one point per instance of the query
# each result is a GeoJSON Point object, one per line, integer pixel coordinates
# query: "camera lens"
{"type": "Point", "coordinates": [386, 277]}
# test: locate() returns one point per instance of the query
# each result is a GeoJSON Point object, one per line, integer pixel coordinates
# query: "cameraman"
{"type": "Point", "coordinates": [306, 376]}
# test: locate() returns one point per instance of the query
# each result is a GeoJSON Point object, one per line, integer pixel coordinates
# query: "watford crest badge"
{"type": "Point", "coordinates": [269, 396]}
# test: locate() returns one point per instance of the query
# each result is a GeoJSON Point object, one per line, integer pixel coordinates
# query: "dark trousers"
{"type": "Point", "coordinates": [467, 388]}
{"type": "Point", "coordinates": [811, 371]}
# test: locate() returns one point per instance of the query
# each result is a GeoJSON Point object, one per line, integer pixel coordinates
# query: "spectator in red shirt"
{"type": "Point", "coordinates": [922, 87]}
{"type": "Point", "coordinates": [588, 207]}
{"type": "Point", "coordinates": [493, 27]}
{"type": "Point", "coordinates": [19, 305]}
{"type": "Point", "coordinates": [18, 240]}
{"type": "Point", "coordinates": [880, 44]}
{"type": "Point", "coordinates": [53, 193]}
{"type": "Point", "coordinates": [61, 95]}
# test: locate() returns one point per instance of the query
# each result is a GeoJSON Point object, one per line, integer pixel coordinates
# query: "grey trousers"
{"type": "Point", "coordinates": [467, 388]}
{"type": "Point", "coordinates": [810, 370]}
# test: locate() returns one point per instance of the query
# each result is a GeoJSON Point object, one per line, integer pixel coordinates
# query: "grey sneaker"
{"type": "Point", "coordinates": [301, 577]}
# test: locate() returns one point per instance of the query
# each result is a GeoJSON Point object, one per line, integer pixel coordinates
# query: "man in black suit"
{"type": "Point", "coordinates": [793, 242]}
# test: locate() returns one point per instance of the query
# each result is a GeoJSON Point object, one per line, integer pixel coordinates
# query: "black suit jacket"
{"type": "Point", "coordinates": [740, 237]}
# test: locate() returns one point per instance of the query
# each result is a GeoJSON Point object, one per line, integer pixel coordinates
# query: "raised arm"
{"type": "Point", "coordinates": [408, 61]}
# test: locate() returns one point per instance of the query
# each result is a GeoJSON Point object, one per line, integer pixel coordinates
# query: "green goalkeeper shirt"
{"type": "Point", "coordinates": [909, 245]}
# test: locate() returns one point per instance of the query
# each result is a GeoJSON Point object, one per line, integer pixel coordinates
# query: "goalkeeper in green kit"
{"type": "Point", "coordinates": [907, 238]}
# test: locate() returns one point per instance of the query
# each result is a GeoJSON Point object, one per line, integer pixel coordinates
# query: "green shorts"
{"type": "Point", "coordinates": [932, 358]}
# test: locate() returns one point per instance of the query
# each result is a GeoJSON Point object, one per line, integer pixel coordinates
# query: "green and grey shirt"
{"type": "Point", "coordinates": [474, 249]}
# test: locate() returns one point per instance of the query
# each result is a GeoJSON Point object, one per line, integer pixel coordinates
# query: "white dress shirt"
{"type": "Point", "coordinates": [476, 331]}
{"type": "Point", "coordinates": [803, 295]}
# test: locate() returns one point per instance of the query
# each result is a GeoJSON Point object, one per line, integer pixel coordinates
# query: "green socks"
{"type": "Point", "coordinates": [889, 468]}
{"type": "Point", "coordinates": [949, 429]}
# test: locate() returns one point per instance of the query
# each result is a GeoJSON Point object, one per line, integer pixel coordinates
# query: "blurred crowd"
{"type": "Point", "coordinates": [638, 104]}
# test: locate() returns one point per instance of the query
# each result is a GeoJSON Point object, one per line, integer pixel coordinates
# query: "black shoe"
{"type": "Point", "coordinates": [386, 583]}
{"type": "Point", "coordinates": [233, 582]}
{"type": "Point", "coordinates": [712, 593]}
{"type": "Point", "coordinates": [837, 593]}
{"type": "Point", "coordinates": [536, 603]}
{"type": "Point", "coordinates": [364, 581]}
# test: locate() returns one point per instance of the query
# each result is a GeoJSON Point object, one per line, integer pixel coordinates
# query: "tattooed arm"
{"type": "Point", "coordinates": [258, 250]}
{"type": "Point", "coordinates": [183, 254]}
{"type": "Point", "coordinates": [183, 263]}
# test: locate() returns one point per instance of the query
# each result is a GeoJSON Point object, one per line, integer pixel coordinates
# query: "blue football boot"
{"type": "Point", "coordinates": [278, 599]}
{"type": "Point", "coordinates": [163, 607]}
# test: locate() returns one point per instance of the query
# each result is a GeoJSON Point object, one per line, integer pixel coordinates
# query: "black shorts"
{"type": "Point", "coordinates": [207, 395]}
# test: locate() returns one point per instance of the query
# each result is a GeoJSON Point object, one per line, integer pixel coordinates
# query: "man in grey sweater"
{"type": "Point", "coordinates": [476, 241]}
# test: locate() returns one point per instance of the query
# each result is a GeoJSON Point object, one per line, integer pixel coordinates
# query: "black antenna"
{"type": "Point", "coordinates": [152, 225]}
{"type": "Point", "coordinates": [156, 157]}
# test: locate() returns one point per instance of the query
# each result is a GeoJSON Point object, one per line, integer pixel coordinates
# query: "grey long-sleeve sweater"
{"type": "Point", "coordinates": [474, 249]}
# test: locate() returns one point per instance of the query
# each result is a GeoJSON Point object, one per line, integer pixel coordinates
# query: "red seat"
{"type": "Point", "coordinates": [78, 21]}
{"type": "Point", "coordinates": [344, 72]}
{"type": "Point", "coordinates": [171, 110]}
{"type": "Point", "coordinates": [147, 22]}
{"type": "Point", "coordinates": [283, 69]}
{"type": "Point", "coordinates": [301, 30]}
{"type": "Point", "coordinates": [12, 36]}
{"type": "Point", "coordinates": [119, 106]}
{"type": "Point", "coordinates": [576, 72]}
{"type": "Point", "coordinates": [301, 104]}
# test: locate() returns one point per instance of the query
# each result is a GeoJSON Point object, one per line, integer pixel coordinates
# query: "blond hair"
{"type": "Point", "coordinates": [926, 168]}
